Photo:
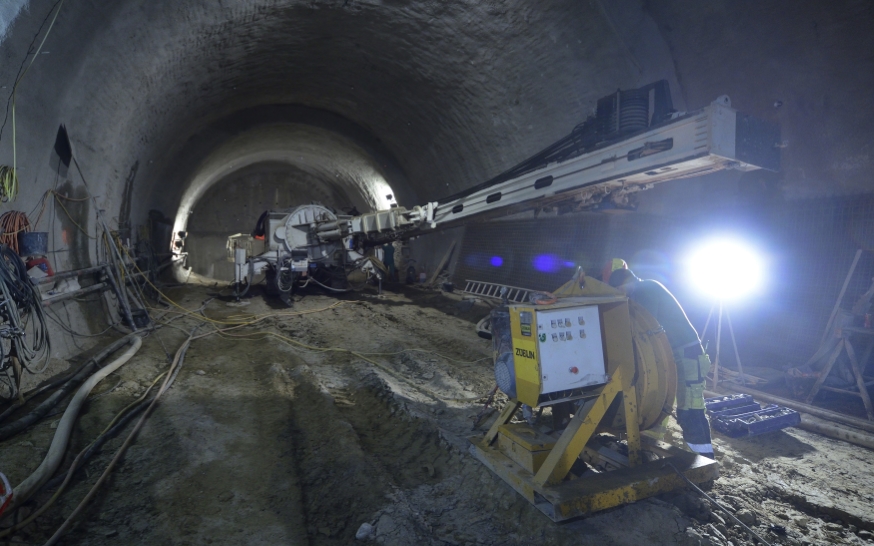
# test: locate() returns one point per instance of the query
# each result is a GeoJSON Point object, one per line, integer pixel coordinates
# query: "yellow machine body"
{"type": "Point", "coordinates": [622, 376]}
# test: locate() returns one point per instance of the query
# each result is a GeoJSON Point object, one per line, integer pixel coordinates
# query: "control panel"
{"type": "Point", "coordinates": [570, 347]}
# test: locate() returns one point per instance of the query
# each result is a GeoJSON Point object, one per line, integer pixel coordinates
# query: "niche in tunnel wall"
{"type": "Point", "coordinates": [234, 204]}
{"type": "Point", "coordinates": [72, 213]}
{"type": "Point", "coordinates": [808, 244]}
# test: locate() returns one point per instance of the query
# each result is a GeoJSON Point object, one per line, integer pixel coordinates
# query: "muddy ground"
{"type": "Point", "coordinates": [262, 442]}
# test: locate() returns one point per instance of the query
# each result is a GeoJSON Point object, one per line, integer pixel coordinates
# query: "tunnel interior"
{"type": "Point", "coordinates": [273, 167]}
{"type": "Point", "coordinates": [146, 133]}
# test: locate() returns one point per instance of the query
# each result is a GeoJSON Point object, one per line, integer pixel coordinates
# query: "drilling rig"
{"type": "Point", "coordinates": [633, 141]}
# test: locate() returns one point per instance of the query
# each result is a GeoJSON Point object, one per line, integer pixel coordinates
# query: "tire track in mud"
{"type": "Point", "coordinates": [355, 451]}
{"type": "Point", "coordinates": [409, 448]}
{"type": "Point", "coordinates": [373, 330]}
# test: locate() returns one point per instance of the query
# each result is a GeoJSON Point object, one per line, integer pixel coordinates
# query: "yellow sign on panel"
{"type": "Point", "coordinates": [525, 356]}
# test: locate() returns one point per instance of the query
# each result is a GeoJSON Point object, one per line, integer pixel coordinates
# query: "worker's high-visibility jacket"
{"type": "Point", "coordinates": [665, 308]}
{"type": "Point", "coordinates": [692, 364]}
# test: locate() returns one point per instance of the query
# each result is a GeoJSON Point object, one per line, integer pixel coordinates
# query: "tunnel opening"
{"type": "Point", "coordinates": [271, 167]}
{"type": "Point", "coordinates": [234, 202]}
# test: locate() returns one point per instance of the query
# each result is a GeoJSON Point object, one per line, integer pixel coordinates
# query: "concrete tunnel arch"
{"type": "Point", "coordinates": [154, 84]}
{"type": "Point", "coordinates": [454, 91]}
{"type": "Point", "coordinates": [337, 172]}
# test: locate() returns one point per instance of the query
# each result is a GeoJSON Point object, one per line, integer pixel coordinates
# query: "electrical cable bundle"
{"type": "Point", "coordinates": [284, 275]}
{"type": "Point", "coordinates": [12, 223]}
{"type": "Point", "coordinates": [8, 183]}
{"type": "Point", "coordinates": [22, 300]}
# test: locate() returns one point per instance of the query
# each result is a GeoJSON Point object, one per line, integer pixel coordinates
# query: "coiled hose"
{"type": "Point", "coordinates": [55, 454]}
{"type": "Point", "coordinates": [8, 183]}
{"type": "Point", "coordinates": [12, 222]}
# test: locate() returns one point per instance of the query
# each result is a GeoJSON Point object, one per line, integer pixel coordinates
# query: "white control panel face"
{"type": "Point", "coordinates": [571, 351]}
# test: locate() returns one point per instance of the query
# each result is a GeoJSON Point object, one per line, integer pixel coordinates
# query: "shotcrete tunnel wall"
{"type": "Point", "coordinates": [436, 96]}
{"type": "Point", "coordinates": [234, 203]}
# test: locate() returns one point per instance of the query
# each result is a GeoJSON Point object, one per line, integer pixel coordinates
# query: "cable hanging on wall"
{"type": "Point", "coordinates": [12, 223]}
{"type": "Point", "coordinates": [8, 183]}
{"type": "Point", "coordinates": [22, 312]}
{"type": "Point", "coordinates": [9, 174]}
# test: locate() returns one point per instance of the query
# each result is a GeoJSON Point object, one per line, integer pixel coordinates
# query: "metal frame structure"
{"type": "Point", "coordinates": [543, 483]}
{"type": "Point", "coordinates": [693, 144]}
{"type": "Point", "coordinates": [539, 466]}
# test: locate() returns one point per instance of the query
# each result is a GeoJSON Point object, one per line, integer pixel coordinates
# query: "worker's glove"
{"type": "Point", "coordinates": [5, 493]}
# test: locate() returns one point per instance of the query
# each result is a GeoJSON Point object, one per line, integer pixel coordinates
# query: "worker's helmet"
{"type": "Point", "coordinates": [611, 266]}
{"type": "Point", "coordinates": [622, 276]}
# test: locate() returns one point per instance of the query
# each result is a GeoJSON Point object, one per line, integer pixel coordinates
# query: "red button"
{"type": "Point", "coordinates": [574, 369]}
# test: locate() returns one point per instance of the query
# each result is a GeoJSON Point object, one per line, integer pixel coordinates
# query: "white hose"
{"type": "Point", "coordinates": [65, 426]}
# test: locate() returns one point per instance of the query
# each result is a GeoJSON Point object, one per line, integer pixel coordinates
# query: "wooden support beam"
{"type": "Point", "coordinates": [834, 314]}
{"type": "Point", "coordinates": [442, 265]}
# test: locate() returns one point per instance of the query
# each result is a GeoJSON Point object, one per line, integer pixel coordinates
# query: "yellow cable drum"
{"type": "Point", "coordinates": [655, 376]}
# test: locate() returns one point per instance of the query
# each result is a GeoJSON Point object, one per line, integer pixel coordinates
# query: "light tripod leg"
{"type": "Point", "coordinates": [718, 340]}
{"type": "Point", "coordinates": [740, 367]}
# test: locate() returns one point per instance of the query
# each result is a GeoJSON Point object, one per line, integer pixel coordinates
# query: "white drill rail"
{"type": "Point", "coordinates": [695, 144]}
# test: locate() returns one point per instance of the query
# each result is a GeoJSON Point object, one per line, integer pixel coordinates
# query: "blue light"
{"type": "Point", "coordinates": [476, 260]}
{"type": "Point", "coordinates": [496, 261]}
{"type": "Point", "coordinates": [547, 263]}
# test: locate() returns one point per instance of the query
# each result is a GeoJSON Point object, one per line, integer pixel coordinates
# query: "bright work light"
{"type": "Point", "coordinates": [726, 269]}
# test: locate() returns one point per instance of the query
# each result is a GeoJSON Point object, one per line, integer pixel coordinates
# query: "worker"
{"type": "Point", "coordinates": [611, 266]}
{"type": "Point", "coordinates": [389, 261]}
{"type": "Point", "coordinates": [693, 364]}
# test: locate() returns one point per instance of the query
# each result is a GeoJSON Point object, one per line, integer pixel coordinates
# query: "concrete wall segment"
{"type": "Point", "coordinates": [805, 64]}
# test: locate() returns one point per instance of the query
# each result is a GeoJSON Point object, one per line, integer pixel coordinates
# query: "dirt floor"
{"type": "Point", "coordinates": [266, 442]}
